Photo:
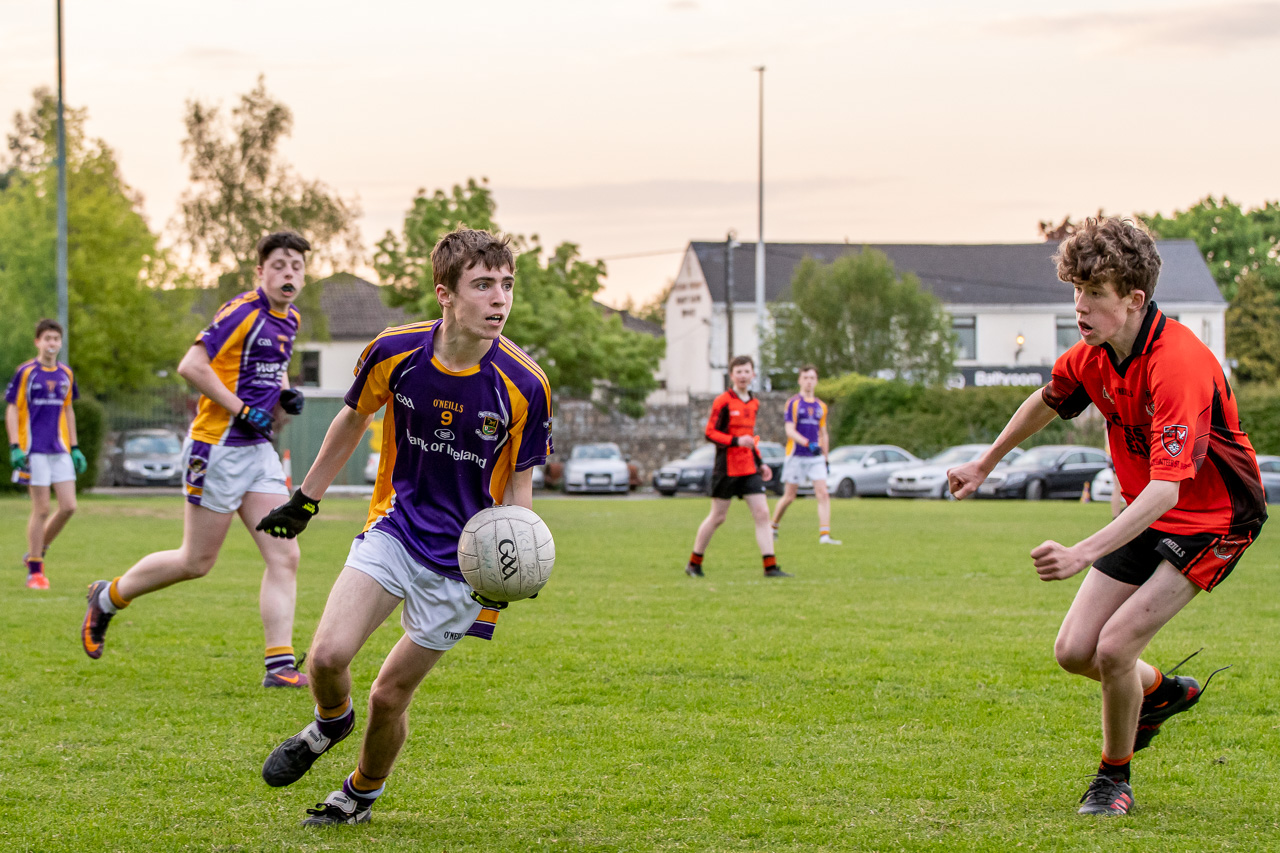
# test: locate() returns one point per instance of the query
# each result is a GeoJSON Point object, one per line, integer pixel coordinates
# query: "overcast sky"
{"type": "Point", "coordinates": [630, 127]}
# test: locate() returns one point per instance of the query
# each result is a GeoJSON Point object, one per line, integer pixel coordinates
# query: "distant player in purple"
{"type": "Point", "coordinates": [807, 448]}
{"type": "Point", "coordinates": [43, 451]}
{"type": "Point", "coordinates": [240, 365]}
{"type": "Point", "coordinates": [467, 417]}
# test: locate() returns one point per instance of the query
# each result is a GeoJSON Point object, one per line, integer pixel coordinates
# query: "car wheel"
{"type": "Point", "coordinates": [667, 492]}
{"type": "Point", "coordinates": [846, 489]}
{"type": "Point", "coordinates": [1035, 490]}
{"type": "Point", "coordinates": [945, 494]}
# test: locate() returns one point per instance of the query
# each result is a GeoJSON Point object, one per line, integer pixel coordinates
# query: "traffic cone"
{"type": "Point", "coordinates": [1084, 494]}
{"type": "Point", "coordinates": [287, 464]}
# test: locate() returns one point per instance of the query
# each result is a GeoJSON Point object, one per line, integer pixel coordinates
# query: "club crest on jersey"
{"type": "Point", "coordinates": [1106, 395]}
{"type": "Point", "coordinates": [1174, 438]}
{"type": "Point", "coordinates": [489, 426]}
{"type": "Point", "coordinates": [1227, 549]}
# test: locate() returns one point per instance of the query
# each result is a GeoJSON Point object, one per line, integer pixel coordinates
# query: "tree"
{"type": "Point", "coordinates": [555, 316]}
{"type": "Point", "coordinates": [655, 310]}
{"type": "Point", "coordinates": [241, 189]}
{"type": "Point", "coordinates": [859, 315]}
{"type": "Point", "coordinates": [120, 331]}
{"type": "Point", "coordinates": [1253, 331]}
{"type": "Point", "coordinates": [1234, 241]}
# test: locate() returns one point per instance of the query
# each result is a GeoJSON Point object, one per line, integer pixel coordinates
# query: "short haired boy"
{"type": "Point", "coordinates": [739, 471]}
{"type": "Point", "coordinates": [240, 365]}
{"type": "Point", "coordinates": [805, 422]}
{"type": "Point", "coordinates": [1186, 469]}
{"type": "Point", "coordinates": [43, 449]}
{"type": "Point", "coordinates": [472, 416]}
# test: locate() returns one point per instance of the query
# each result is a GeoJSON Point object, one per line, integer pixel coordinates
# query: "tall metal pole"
{"type": "Point", "coordinates": [760, 365]}
{"type": "Point", "coordinates": [729, 245]}
{"type": "Point", "coordinates": [62, 207]}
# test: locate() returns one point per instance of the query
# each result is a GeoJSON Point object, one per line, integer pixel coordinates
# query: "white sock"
{"type": "Point", "coordinates": [104, 600]}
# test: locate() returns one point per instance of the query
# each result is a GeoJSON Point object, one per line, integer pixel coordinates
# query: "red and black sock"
{"type": "Point", "coordinates": [770, 562]}
{"type": "Point", "coordinates": [1160, 693]}
{"type": "Point", "coordinates": [695, 559]}
{"type": "Point", "coordinates": [1115, 768]}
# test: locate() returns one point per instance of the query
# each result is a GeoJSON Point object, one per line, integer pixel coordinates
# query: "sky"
{"type": "Point", "coordinates": [630, 128]}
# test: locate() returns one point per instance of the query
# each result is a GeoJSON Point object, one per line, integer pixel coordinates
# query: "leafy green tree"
{"type": "Point", "coordinates": [555, 316]}
{"type": "Point", "coordinates": [241, 188]}
{"type": "Point", "coordinates": [857, 314]}
{"type": "Point", "coordinates": [121, 333]}
{"type": "Point", "coordinates": [1253, 331]}
{"type": "Point", "coordinates": [1234, 241]}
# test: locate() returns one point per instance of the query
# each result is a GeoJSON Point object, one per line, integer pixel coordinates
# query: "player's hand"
{"type": "Point", "coordinates": [17, 457]}
{"type": "Point", "coordinates": [1056, 562]}
{"type": "Point", "coordinates": [766, 473]}
{"type": "Point", "coordinates": [256, 419]}
{"type": "Point", "coordinates": [291, 400]}
{"type": "Point", "coordinates": [745, 441]}
{"type": "Point", "coordinates": [289, 519]}
{"type": "Point", "coordinates": [77, 459]}
{"type": "Point", "coordinates": [963, 480]}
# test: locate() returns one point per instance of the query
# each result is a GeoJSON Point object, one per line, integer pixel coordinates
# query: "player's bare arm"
{"type": "Point", "coordinates": [1032, 416]}
{"type": "Point", "coordinates": [519, 491]}
{"type": "Point", "coordinates": [1055, 562]}
{"type": "Point", "coordinates": [196, 369]}
{"type": "Point", "coordinates": [11, 422]}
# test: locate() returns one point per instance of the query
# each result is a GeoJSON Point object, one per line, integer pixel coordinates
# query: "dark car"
{"type": "Point", "coordinates": [1270, 467]}
{"type": "Point", "coordinates": [693, 473]}
{"type": "Point", "coordinates": [1050, 471]}
{"type": "Point", "coordinates": [144, 457]}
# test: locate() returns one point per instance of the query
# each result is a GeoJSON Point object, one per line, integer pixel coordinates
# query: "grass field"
{"type": "Point", "coordinates": [898, 694]}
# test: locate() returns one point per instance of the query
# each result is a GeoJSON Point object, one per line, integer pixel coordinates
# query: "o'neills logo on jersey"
{"type": "Point", "coordinates": [1174, 438]}
{"type": "Point", "coordinates": [489, 426]}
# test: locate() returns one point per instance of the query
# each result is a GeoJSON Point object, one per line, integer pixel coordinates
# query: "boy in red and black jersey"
{"type": "Point", "coordinates": [739, 470]}
{"type": "Point", "coordinates": [1185, 469]}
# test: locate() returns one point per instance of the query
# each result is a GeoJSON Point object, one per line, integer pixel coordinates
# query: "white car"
{"type": "Point", "coordinates": [864, 469]}
{"type": "Point", "coordinates": [929, 478]}
{"type": "Point", "coordinates": [597, 468]}
{"type": "Point", "coordinates": [1103, 484]}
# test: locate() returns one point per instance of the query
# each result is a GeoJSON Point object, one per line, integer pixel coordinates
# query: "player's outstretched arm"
{"type": "Point", "coordinates": [1032, 416]}
{"type": "Point", "coordinates": [1055, 562]}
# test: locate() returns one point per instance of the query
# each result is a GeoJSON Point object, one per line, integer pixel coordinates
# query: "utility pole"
{"type": "Point", "coordinates": [762, 375]}
{"type": "Point", "coordinates": [729, 245]}
{"type": "Point", "coordinates": [62, 207]}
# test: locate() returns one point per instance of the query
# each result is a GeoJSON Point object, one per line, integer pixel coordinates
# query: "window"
{"type": "Point", "coordinates": [894, 456]}
{"type": "Point", "coordinates": [965, 330]}
{"type": "Point", "coordinates": [1068, 333]}
{"type": "Point", "coordinates": [880, 456]}
{"type": "Point", "coordinates": [1095, 458]}
{"type": "Point", "coordinates": [310, 368]}
{"type": "Point", "coordinates": [1073, 459]}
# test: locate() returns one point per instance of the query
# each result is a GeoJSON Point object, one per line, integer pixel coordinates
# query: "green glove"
{"type": "Point", "coordinates": [77, 459]}
{"type": "Point", "coordinates": [17, 457]}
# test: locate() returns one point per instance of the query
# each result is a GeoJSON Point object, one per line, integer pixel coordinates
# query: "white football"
{"type": "Point", "coordinates": [506, 553]}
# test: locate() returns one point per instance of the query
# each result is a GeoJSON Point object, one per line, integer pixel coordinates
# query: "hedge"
{"type": "Point", "coordinates": [90, 424]}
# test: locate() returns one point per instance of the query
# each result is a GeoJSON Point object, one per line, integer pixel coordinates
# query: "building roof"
{"type": "Point", "coordinates": [632, 322]}
{"type": "Point", "coordinates": [356, 310]}
{"type": "Point", "coordinates": [989, 274]}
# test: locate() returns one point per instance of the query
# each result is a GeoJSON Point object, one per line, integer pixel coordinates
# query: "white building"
{"type": "Point", "coordinates": [1011, 314]}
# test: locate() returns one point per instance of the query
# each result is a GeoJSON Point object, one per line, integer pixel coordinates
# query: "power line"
{"type": "Point", "coordinates": [649, 254]}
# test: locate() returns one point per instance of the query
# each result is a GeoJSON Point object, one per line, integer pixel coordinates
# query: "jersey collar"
{"type": "Point", "coordinates": [1148, 333]}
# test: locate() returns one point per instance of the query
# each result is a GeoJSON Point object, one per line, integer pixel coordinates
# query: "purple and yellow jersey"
{"type": "Point", "coordinates": [249, 347]}
{"type": "Point", "coordinates": [450, 441]}
{"type": "Point", "coordinates": [42, 395]}
{"type": "Point", "coordinates": [809, 419]}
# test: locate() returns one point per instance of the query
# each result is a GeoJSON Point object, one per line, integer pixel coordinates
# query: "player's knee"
{"type": "Point", "coordinates": [325, 661]}
{"type": "Point", "coordinates": [1114, 657]}
{"type": "Point", "coordinates": [67, 509]}
{"type": "Point", "coordinates": [197, 565]}
{"type": "Point", "coordinates": [1072, 657]}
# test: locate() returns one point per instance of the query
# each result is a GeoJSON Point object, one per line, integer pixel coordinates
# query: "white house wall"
{"type": "Point", "coordinates": [337, 361]}
{"type": "Point", "coordinates": [688, 331]}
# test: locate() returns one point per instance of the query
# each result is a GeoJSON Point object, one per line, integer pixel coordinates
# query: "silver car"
{"type": "Point", "coordinates": [1270, 467]}
{"type": "Point", "coordinates": [864, 469]}
{"type": "Point", "coordinates": [929, 478]}
{"type": "Point", "coordinates": [144, 457]}
{"type": "Point", "coordinates": [597, 468]}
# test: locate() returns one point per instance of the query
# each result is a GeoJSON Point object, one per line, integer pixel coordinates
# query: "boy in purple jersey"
{"type": "Point", "coordinates": [42, 443]}
{"type": "Point", "coordinates": [240, 365]}
{"type": "Point", "coordinates": [805, 421]}
{"type": "Point", "coordinates": [468, 416]}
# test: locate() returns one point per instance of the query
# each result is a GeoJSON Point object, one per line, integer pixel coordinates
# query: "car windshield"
{"type": "Point", "coordinates": [847, 454]}
{"type": "Point", "coordinates": [596, 451]}
{"type": "Point", "coordinates": [704, 455]}
{"type": "Point", "coordinates": [152, 444]}
{"type": "Point", "coordinates": [1037, 457]}
{"type": "Point", "coordinates": [955, 456]}
{"type": "Point", "coordinates": [771, 450]}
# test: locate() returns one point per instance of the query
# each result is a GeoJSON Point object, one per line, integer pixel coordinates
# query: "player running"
{"type": "Point", "coordinates": [43, 450]}
{"type": "Point", "coordinates": [1187, 471]}
{"type": "Point", "coordinates": [468, 416]}
{"type": "Point", "coordinates": [808, 444]}
{"type": "Point", "coordinates": [240, 365]}
{"type": "Point", "coordinates": [739, 471]}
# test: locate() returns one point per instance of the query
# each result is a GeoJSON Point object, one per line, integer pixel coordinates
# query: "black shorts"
{"type": "Point", "coordinates": [1205, 559]}
{"type": "Point", "coordinates": [726, 487]}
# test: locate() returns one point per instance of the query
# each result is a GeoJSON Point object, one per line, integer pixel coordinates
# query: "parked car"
{"type": "Point", "coordinates": [864, 469]}
{"type": "Point", "coordinates": [539, 477]}
{"type": "Point", "coordinates": [1104, 483]}
{"type": "Point", "coordinates": [929, 478]}
{"type": "Point", "coordinates": [597, 468]}
{"type": "Point", "coordinates": [1270, 466]}
{"type": "Point", "coordinates": [144, 457]}
{"type": "Point", "coordinates": [370, 467]}
{"type": "Point", "coordinates": [1050, 471]}
{"type": "Point", "coordinates": [693, 472]}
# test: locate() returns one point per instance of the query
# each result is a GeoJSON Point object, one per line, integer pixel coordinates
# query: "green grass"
{"type": "Point", "coordinates": [898, 694]}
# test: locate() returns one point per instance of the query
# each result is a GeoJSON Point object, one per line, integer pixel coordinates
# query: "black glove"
{"type": "Point", "coordinates": [291, 401]}
{"type": "Point", "coordinates": [289, 519]}
{"type": "Point", "coordinates": [256, 419]}
{"type": "Point", "coordinates": [484, 602]}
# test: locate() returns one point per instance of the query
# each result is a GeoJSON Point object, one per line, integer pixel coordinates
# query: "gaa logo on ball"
{"type": "Point", "coordinates": [506, 553]}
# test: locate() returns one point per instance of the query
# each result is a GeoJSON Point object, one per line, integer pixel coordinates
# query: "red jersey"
{"type": "Point", "coordinates": [730, 418]}
{"type": "Point", "coordinates": [1169, 410]}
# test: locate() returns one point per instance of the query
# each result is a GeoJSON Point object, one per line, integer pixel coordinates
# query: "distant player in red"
{"type": "Point", "coordinates": [739, 471]}
{"type": "Point", "coordinates": [1186, 470]}
{"type": "Point", "coordinates": [42, 443]}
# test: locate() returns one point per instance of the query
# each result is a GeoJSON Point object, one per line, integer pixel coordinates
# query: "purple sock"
{"type": "Point", "coordinates": [338, 725]}
{"type": "Point", "coordinates": [35, 567]}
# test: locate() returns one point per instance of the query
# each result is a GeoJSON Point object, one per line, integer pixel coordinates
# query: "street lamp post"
{"type": "Point", "coordinates": [760, 366]}
{"type": "Point", "coordinates": [62, 206]}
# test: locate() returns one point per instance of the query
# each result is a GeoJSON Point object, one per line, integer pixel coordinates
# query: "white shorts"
{"type": "Point", "coordinates": [438, 611]}
{"type": "Point", "coordinates": [804, 469]}
{"type": "Point", "coordinates": [218, 476]}
{"type": "Point", "coordinates": [46, 469]}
